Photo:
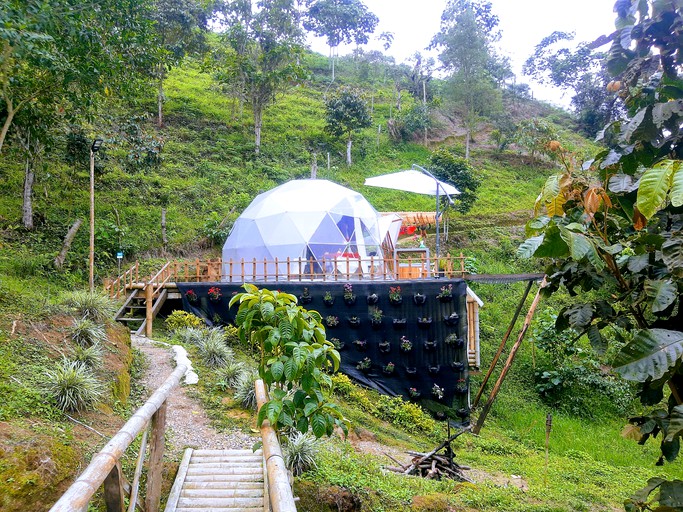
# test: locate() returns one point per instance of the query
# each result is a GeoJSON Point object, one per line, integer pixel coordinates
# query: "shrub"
{"type": "Point", "coordinates": [90, 357]}
{"type": "Point", "coordinates": [179, 319]}
{"type": "Point", "coordinates": [245, 393]}
{"type": "Point", "coordinates": [72, 386]}
{"type": "Point", "coordinates": [86, 333]}
{"type": "Point", "coordinates": [93, 306]}
{"type": "Point", "coordinates": [231, 335]}
{"type": "Point", "coordinates": [214, 352]}
{"type": "Point", "coordinates": [189, 335]}
{"type": "Point", "coordinates": [300, 451]}
{"type": "Point", "coordinates": [226, 377]}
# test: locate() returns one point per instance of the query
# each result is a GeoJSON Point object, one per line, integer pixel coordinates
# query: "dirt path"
{"type": "Point", "coordinates": [187, 423]}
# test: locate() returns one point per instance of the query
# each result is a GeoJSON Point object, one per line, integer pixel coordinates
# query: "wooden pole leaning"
{"type": "Point", "coordinates": [279, 489]}
{"type": "Point", "coordinates": [76, 498]}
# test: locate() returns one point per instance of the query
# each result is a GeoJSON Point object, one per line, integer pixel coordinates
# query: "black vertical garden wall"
{"type": "Point", "coordinates": [435, 327]}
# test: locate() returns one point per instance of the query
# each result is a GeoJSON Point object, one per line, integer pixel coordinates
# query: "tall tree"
{"type": "Point", "coordinates": [616, 231]}
{"type": "Point", "coordinates": [346, 113]}
{"type": "Point", "coordinates": [468, 28]}
{"type": "Point", "coordinates": [179, 28]}
{"type": "Point", "coordinates": [340, 22]}
{"type": "Point", "coordinates": [259, 54]}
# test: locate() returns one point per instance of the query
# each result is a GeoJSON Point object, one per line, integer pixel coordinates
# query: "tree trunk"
{"type": "Point", "coordinates": [348, 152]}
{"type": "Point", "coordinates": [7, 124]}
{"type": "Point", "coordinates": [70, 235]}
{"type": "Point", "coordinates": [27, 208]}
{"type": "Point", "coordinates": [258, 120]}
{"type": "Point", "coordinates": [164, 239]}
{"type": "Point", "coordinates": [468, 136]}
{"type": "Point", "coordinates": [314, 166]}
{"type": "Point", "coordinates": [160, 103]}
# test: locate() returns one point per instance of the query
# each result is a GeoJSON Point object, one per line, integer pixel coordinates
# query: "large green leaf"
{"type": "Point", "coordinates": [528, 247]}
{"type": "Point", "coordinates": [654, 186]}
{"type": "Point", "coordinates": [649, 355]}
{"type": "Point", "coordinates": [663, 294]}
{"type": "Point", "coordinates": [621, 183]}
{"type": "Point", "coordinates": [671, 494]}
{"type": "Point", "coordinates": [319, 425]}
{"type": "Point", "coordinates": [677, 185]}
{"type": "Point", "coordinates": [581, 247]}
{"type": "Point", "coordinates": [553, 246]}
{"type": "Point", "coordinates": [672, 253]}
{"type": "Point", "coordinates": [597, 341]}
{"type": "Point", "coordinates": [579, 316]}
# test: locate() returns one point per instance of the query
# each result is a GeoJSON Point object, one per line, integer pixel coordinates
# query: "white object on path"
{"type": "Point", "coordinates": [181, 358]}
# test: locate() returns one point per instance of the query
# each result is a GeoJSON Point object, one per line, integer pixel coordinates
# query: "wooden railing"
{"type": "Point", "coordinates": [105, 466]}
{"type": "Point", "coordinates": [124, 282]}
{"type": "Point", "coordinates": [279, 488]}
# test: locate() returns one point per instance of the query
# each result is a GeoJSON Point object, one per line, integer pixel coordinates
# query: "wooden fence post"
{"type": "Point", "coordinates": [113, 490]}
{"type": "Point", "coordinates": [149, 302]}
{"type": "Point", "coordinates": [156, 454]}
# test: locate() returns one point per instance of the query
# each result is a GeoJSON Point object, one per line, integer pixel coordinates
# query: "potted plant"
{"type": "Point", "coordinates": [399, 323]}
{"type": "Point", "coordinates": [365, 365]}
{"type": "Point", "coordinates": [328, 300]}
{"type": "Point", "coordinates": [419, 299]}
{"type": "Point", "coordinates": [385, 347]}
{"type": "Point", "coordinates": [376, 316]}
{"type": "Point", "coordinates": [191, 296]}
{"type": "Point", "coordinates": [414, 393]}
{"type": "Point", "coordinates": [453, 340]}
{"type": "Point", "coordinates": [354, 321]}
{"type": "Point", "coordinates": [214, 294]}
{"type": "Point", "coordinates": [430, 345]}
{"type": "Point", "coordinates": [372, 299]}
{"type": "Point", "coordinates": [395, 297]}
{"type": "Point", "coordinates": [461, 386]}
{"type": "Point", "coordinates": [458, 366]}
{"type": "Point", "coordinates": [434, 369]}
{"type": "Point", "coordinates": [406, 344]}
{"type": "Point", "coordinates": [331, 321]}
{"type": "Point", "coordinates": [446, 293]}
{"type": "Point", "coordinates": [338, 344]}
{"type": "Point", "coordinates": [463, 413]}
{"type": "Point", "coordinates": [451, 319]}
{"type": "Point", "coordinates": [305, 297]}
{"type": "Point", "coordinates": [349, 297]}
{"type": "Point", "coordinates": [411, 371]}
{"type": "Point", "coordinates": [424, 322]}
{"type": "Point", "coordinates": [389, 368]}
{"type": "Point", "coordinates": [437, 392]}
{"type": "Point", "coordinates": [361, 345]}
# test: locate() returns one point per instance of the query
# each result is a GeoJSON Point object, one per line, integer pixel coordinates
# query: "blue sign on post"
{"type": "Point", "coordinates": [119, 255]}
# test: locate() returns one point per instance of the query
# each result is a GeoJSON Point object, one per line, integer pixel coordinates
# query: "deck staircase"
{"type": "Point", "coordinates": [133, 312]}
{"type": "Point", "coordinates": [220, 481]}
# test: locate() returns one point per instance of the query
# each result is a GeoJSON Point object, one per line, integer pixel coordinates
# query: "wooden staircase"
{"type": "Point", "coordinates": [220, 481]}
{"type": "Point", "coordinates": [133, 313]}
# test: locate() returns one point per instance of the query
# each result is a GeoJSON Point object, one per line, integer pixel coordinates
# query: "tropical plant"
{"type": "Point", "coordinates": [299, 452]}
{"type": "Point", "coordinates": [85, 332]}
{"type": "Point", "coordinates": [616, 230]}
{"type": "Point", "coordinates": [92, 306]}
{"type": "Point", "coordinates": [293, 353]}
{"type": "Point", "coordinates": [72, 386]}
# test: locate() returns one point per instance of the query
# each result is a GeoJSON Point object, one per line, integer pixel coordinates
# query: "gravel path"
{"type": "Point", "coordinates": [186, 422]}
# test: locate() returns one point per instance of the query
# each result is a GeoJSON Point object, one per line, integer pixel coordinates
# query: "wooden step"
{"type": "Point", "coordinates": [227, 484]}
{"type": "Point", "coordinates": [216, 453]}
{"type": "Point", "coordinates": [221, 509]}
{"type": "Point", "coordinates": [258, 459]}
{"type": "Point", "coordinates": [194, 503]}
{"type": "Point", "coordinates": [197, 471]}
{"type": "Point", "coordinates": [225, 464]}
{"type": "Point", "coordinates": [130, 319]}
{"type": "Point", "coordinates": [222, 493]}
{"type": "Point", "coordinates": [253, 477]}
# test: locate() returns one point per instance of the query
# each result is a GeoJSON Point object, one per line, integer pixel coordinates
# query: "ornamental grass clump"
{"type": "Point", "coordinates": [72, 386]}
{"type": "Point", "coordinates": [300, 451]}
{"type": "Point", "coordinates": [189, 335]}
{"type": "Point", "coordinates": [227, 376]}
{"type": "Point", "coordinates": [214, 352]}
{"type": "Point", "coordinates": [90, 357]}
{"type": "Point", "coordinates": [245, 393]}
{"type": "Point", "coordinates": [93, 306]}
{"type": "Point", "coordinates": [86, 333]}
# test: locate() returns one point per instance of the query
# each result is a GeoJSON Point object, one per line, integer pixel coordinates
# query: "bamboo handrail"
{"type": "Point", "coordinates": [76, 498]}
{"type": "Point", "coordinates": [279, 489]}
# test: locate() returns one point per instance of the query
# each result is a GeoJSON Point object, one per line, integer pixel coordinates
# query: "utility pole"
{"type": "Point", "coordinates": [96, 144]}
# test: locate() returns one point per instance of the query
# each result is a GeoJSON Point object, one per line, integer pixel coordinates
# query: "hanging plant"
{"type": "Point", "coordinates": [376, 316]}
{"type": "Point", "coordinates": [331, 321]}
{"type": "Point", "coordinates": [399, 323]}
{"type": "Point", "coordinates": [305, 297]}
{"type": "Point", "coordinates": [395, 298]}
{"type": "Point", "coordinates": [191, 296]}
{"type": "Point", "coordinates": [451, 319]}
{"type": "Point", "coordinates": [458, 366]}
{"type": "Point", "coordinates": [214, 294]}
{"type": "Point", "coordinates": [453, 340]}
{"type": "Point", "coordinates": [372, 299]}
{"type": "Point", "coordinates": [411, 371]}
{"type": "Point", "coordinates": [461, 387]}
{"type": "Point", "coordinates": [406, 344]}
{"type": "Point", "coordinates": [349, 297]}
{"type": "Point", "coordinates": [430, 346]}
{"type": "Point", "coordinates": [446, 293]}
{"type": "Point", "coordinates": [361, 345]}
{"type": "Point", "coordinates": [328, 299]}
{"type": "Point", "coordinates": [389, 368]}
{"type": "Point", "coordinates": [365, 365]}
{"type": "Point", "coordinates": [414, 393]}
{"type": "Point", "coordinates": [433, 370]}
{"type": "Point", "coordinates": [424, 322]}
{"type": "Point", "coordinates": [419, 299]}
{"type": "Point", "coordinates": [385, 347]}
{"type": "Point", "coordinates": [338, 344]}
{"type": "Point", "coordinates": [354, 321]}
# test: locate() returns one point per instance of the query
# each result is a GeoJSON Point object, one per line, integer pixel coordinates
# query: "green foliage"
{"type": "Point", "coordinates": [346, 113]}
{"type": "Point", "coordinates": [458, 171]}
{"type": "Point", "coordinates": [91, 356]}
{"type": "Point", "coordinates": [299, 452]}
{"type": "Point", "coordinates": [91, 306]}
{"type": "Point", "coordinates": [213, 350]}
{"type": "Point", "coordinates": [340, 22]}
{"type": "Point", "coordinates": [294, 354]}
{"type": "Point", "coordinates": [87, 333]}
{"type": "Point", "coordinates": [535, 136]}
{"type": "Point", "coordinates": [179, 319]}
{"type": "Point", "coordinates": [189, 335]}
{"type": "Point", "coordinates": [72, 386]}
{"type": "Point", "coordinates": [245, 392]}
{"type": "Point", "coordinates": [228, 375]}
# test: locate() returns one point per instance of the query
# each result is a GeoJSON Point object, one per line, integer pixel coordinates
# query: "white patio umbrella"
{"type": "Point", "coordinates": [420, 181]}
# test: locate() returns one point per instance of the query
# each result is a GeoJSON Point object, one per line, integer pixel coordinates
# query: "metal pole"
{"type": "Point", "coordinates": [436, 267]}
{"type": "Point", "coordinates": [92, 221]}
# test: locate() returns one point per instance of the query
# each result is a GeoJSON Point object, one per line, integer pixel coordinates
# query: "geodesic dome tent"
{"type": "Point", "coordinates": [314, 223]}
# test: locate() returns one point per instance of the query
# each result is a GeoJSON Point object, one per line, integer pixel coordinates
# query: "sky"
{"type": "Point", "coordinates": [523, 24]}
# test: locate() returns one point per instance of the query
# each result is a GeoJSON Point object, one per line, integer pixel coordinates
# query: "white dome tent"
{"type": "Point", "coordinates": [317, 224]}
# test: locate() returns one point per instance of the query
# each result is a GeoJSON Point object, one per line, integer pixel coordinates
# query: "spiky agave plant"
{"type": "Point", "coordinates": [85, 332]}
{"type": "Point", "coordinates": [72, 386]}
{"type": "Point", "coordinates": [300, 451]}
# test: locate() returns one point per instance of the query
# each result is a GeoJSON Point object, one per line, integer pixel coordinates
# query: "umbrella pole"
{"type": "Point", "coordinates": [436, 266]}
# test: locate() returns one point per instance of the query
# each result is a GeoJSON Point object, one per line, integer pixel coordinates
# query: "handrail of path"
{"type": "Point", "coordinates": [105, 466]}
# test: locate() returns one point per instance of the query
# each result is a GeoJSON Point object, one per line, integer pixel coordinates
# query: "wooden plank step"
{"type": "Point", "coordinates": [221, 509]}
{"type": "Point", "coordinates": [222, 493]}
{"type": "Point", "coordinates": [224, 471]}
{"type": "Point", "coordinates": [130, 319]}
{"type": "Point", "coordinates": [227, 484]}
{"type": "Point", "coordinates": [219, 502]}
{"type": "Point", "coordinates": [195, 465]}
{"type": "Point", "coordinates": [225, 478]}
{"type": "Point", "coordinates": [228, 458]}
{"type": "Point", "coordinates": [202, 453]}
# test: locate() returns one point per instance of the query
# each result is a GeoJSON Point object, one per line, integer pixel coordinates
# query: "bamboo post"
{"type": "Point", "coordinates": [265, 270]}
{"type": "Point", "coordinates": [156, 454]}
{"type": "Point", "coordinates": [138, 472]}
{"type": "Point", "coordinates": [300, 271]}
{"type": "Point", "coordinates": [253, 269]}
{"type": "Point", "coordinates": [196, 270]}
{"type": "Point", "coordinates": [310, 267]}
{"type": "Point", "coordinates": [289, 269]}
{"type": "Point", "coordinates": [508, 363]}
{"type": "Point", "coordinates": [279, 490]}
{"type": "Point", "coordinates": [231, 270]}
{"type": "Point", "coordinates": [242, 270]}
{"type": "Point", "coordinates": [113, 490]}
{"type": "Point", "coordinates": [462, 264]}
{"type": "Point", "coordinates": [494, 362]}
{"type": "Point", "coordinates": [277, 271]}
{"type": "Point", "coordinates": [149, 301]}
